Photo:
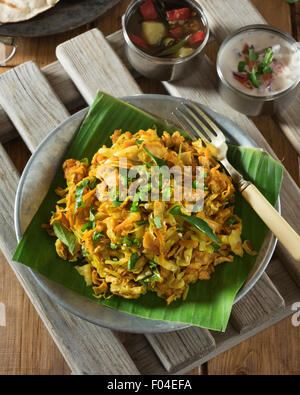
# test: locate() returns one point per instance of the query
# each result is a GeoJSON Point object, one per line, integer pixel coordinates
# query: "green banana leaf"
{"type": "Point", "coordinates": [209, 303]}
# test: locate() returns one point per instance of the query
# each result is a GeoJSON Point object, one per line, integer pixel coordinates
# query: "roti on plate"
{"type": "Point", "coordinates": [21, 10]}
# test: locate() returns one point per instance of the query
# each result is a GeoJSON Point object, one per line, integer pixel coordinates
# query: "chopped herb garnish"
{"type": "Point", "coordinates": [158, 161]}
{"type": "Point", "coordinates": [145, 188]}
{"type": "Point", "coordinates": [253, 68]}
{"type": "Point", "coordinates": [155, 277]}
{"type": "Point", "coordinates": [87, 225]}
{"type": "Point", "coordinates": [127, 242]}
{"type": "Point", "coordinates": [269, 55]}
{"type": "Point", "coordinates": [142, 222]}
{"type": "Point", "coordinates": [135, 207]}
{"type": "Point", "coordinates": [135, 204]}
{"type": "Point", "coordinates": [241, 66]}
{"type": "Point", "coordinates": [97, 236]}
{"type": "Point", "coordinates": [216, 247]}
{"type": "Point", "coordinates": [78, 194]}
{"type": "Point", "coordinates": [157, 222]}
{"type": "Point", "coordinates": [231, 221]}
{"type": "Point", "coordinates": [116, 203]}
{"type": "Point", "coordinates": [114, 246]}
{"type": "Point", "coordinates": [114, 194]}
{"type": "Point", "coordinates": [92, 218]}
{"type": "Point", "coordinates": [92, 184]}
{"type": "Point", "coordinates": [133, 260]}
{"type": "Point", "coordinates": [197, 185]}
{"type": "Point", "coordinates": [253, 78]}
{"type": "Point", "coordinates": [253, 56]}
{"type": "Point", "coordinates": [167, 192]}
{"type": "Point", "coordinates": [137, 243]}
{"type": "Point", "coordinates": [152, 264]}
{"type": "Point", "coordinates": [84, 253]}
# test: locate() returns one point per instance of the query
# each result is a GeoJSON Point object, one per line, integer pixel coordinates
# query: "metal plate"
{"type": "Point", "coordinates": [35, 183]}
{"type": "Point", "coordinates": [66, 15]}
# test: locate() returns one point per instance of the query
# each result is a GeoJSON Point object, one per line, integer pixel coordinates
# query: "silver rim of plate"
{"type": "Point", "coordinates": [158, 106]}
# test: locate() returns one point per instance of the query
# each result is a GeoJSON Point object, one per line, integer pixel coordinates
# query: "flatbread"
{"type": "Point", "coordinates": [21, 10]}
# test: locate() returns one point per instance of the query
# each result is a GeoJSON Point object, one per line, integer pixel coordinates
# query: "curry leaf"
{"type": "Point", "coordinates": [199, 223]}
{"type": "Point", "coordinates": [133, 260]}
{"type": "Point", "coordinates": [65, 236]}
{"type": "Point", "coordinates": [241, 66]}
{"type": "Point", "coordinates": [158, 161]}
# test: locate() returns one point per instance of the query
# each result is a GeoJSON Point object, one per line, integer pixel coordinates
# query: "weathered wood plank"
{"type": "Point", "coordinates": [93, 65]}
{"type": "Point", "coordinates": [181, 348]}
{"type": "Point", "coordinates": [63, 86]}
{"type": "Point", "coordinates": [143, 355]}
{"type": "Point", "coordinates": [23, 86]}
{"type": "Point", "coordinates": [259, 305]}
{"type": "Point", "coordinates": [238, 13]}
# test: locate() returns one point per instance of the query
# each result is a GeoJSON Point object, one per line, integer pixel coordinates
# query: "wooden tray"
{"type": "Point", "coordinates": [35, 101]}
{"type": "Point", "coordinates": [66, 15]}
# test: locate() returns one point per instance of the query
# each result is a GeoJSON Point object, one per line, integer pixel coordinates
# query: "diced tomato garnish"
{"type": "Point", "coordinates": [178, 15]}
{"type": "Point", "coordinates": [267, 77]}
{"type": "Point", "coordinates": [245, 50]}
{"type": "Point", "coordinates": [243, 79]}
{"type": "Point", "coordinates": [138, 41]}
{"type": "Point", "coordinates": [196, 37]}
{"type": "Point", "coordinates": [176, 32]}
{"type": "Point", "coordinates": [148, 11]}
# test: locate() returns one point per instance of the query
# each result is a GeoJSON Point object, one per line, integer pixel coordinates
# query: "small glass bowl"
{"type": "Point", "coordinates": [249, 104]}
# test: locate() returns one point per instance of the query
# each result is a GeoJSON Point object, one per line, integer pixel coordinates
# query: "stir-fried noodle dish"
{"type": "Point", "coordinates": [150, 213]}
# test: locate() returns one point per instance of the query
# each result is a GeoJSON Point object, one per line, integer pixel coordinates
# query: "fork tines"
{"type": "Point", "coordinates": [193, 118]}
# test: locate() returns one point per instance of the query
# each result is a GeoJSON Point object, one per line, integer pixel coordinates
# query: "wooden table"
{"type": "Point", "coordinates": [25, 345]}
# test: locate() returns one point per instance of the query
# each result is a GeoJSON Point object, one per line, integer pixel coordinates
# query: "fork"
{"type": "Point", "coordinates": [195, 121]}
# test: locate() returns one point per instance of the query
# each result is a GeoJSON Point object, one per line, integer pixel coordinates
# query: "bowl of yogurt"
{"type": "Point", "coordinates": [259, 69]}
